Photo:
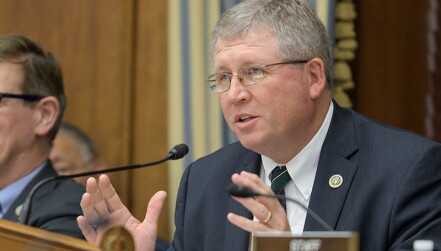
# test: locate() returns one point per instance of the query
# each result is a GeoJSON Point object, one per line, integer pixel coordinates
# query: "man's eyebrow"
{"type": "Point", "coordinates": [223, 68]}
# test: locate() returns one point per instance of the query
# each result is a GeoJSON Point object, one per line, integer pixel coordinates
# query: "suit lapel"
{"type": "Point", "coordinates": [14, 211]}
{"type": "Point", "coordinates": [340, 144]}
{"type": "Point", "coordinates": [236, 238]}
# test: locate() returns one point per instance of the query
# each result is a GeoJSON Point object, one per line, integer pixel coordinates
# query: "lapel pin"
{"type": "Point", "coordinates": [18, 210]}
{"type": "Point", "coordinates": [335, 181]}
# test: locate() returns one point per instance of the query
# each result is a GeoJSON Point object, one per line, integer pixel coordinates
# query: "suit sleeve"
{"type": "Point", "coordinates": [417, 211]}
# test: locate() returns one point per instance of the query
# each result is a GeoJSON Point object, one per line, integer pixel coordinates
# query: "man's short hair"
{"type": "Point", "coordinates": [41, 71]}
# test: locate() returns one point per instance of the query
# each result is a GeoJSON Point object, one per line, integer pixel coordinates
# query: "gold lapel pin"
{"type": "Point", "coordinates": [335, 181]}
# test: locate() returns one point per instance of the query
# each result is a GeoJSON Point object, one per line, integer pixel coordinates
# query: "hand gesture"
{"type": "Point", "coordinates": [269, 212]}
{"type": "Point", "coordinates": [103, 209]}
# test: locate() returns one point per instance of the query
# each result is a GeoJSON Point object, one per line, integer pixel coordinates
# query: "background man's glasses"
{"type": "Point", "coordinates": [67, 170]}
{"type": "Point", "coordinates": [26, 97]}
{"type": "Point", "coordinates": [249, 75]}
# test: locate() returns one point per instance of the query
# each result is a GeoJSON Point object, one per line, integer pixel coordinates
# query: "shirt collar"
{"type": "Point", "coordinates": [302, 167]}
{"type": "Point", "coordinates": [12, 191]}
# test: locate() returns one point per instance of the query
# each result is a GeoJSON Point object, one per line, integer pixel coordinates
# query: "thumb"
{"type": "Point", "coordinates": [150, 223]}
{"type": "Point", "coordinates": [154, 207]}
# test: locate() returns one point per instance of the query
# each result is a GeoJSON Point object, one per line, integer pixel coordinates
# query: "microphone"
{"type": "Point", "coordinates": [244, 192]}
{"type": "Point", "coordinates": [177, 152]}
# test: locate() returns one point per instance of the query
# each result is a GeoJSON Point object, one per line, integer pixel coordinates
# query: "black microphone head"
{"type": "Point", "coordinates": [178, 151]}
{"type": "Point", "coordinates": [241, 191]}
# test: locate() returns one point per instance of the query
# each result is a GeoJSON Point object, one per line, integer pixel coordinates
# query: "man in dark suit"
{"type": "Point", "coordinates": [272, 69]}
{"type": "Point", "coordinates": [32, 102]}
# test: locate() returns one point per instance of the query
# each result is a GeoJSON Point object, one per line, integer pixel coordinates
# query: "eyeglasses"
{"type": "Point", "coordinates": [20, 96]}
{"type": "Point", "coordinates": [249, 75]}
{"type": "Point", "coordinates": [67, 170]}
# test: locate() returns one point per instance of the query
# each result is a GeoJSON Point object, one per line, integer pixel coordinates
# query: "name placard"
{"type": "Point", "coordinates": [308, 241]}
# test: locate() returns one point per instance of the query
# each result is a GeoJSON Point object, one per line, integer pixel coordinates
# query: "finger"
{"type": "Point", "coordinates": [246, 224]}
{"type": "Point", "coordinates": [248, 181]}
{"type": "Point", "coordinates": [87, 230]}
{"type": "Point", "coordinates": [89, 212]}
{"type": "Point", "coordinates": [254, 182]}
{"type": "Point", "coordinates": [150, 224]}
{"type": "Point", "coordinates": [96, 198]}
{"type": "Point", "coordinates": [113, 202]}
{"type": "Point", "coordinates": [155, 206]}
{"type": "Point", "coordinates": [259, 210]}
{"type": "Point", "coordinates": [91, 185]}
{"type": "Point", "coordinates": [269, 212]}
{"type": "Point", "coordinates": [262, 206]}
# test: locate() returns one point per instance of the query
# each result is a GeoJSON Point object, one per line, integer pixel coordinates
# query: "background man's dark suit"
{"type": "Point", "coordinates": [390, 193]}
{"type": "Point", "coordinates": [55, 205]}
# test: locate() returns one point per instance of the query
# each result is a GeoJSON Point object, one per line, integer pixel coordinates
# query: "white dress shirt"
{"type": "Point", "coordinates": [302, 169]}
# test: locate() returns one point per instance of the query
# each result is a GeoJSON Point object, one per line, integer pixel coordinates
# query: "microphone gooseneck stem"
{"type": "Point", "coordinates": [111, 170]}
{"type": "Point", "coordinates": [317, 218]}
{"type": "Point", "coordinates": [245, 192]}
{"type": "Point", "coordinates": [26, 209]}
{"type": "Point", "coordinates": [177, 152]}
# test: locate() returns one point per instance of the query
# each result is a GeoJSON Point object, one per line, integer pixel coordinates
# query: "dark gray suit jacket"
{"type": "Point", "coordinates": [391, 191]}
{"type": "Point", "coordinates": [55, 206]}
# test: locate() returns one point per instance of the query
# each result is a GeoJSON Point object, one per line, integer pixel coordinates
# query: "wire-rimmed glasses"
{"type": "Point", "coordinates": [248, 75]}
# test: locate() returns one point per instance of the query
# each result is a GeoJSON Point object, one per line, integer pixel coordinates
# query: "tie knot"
{"type": "Point", "coordinates": [279, 178]}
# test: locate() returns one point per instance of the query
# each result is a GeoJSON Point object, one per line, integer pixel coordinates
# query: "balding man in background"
{"type": "Point", "coordinates": [74, 152]}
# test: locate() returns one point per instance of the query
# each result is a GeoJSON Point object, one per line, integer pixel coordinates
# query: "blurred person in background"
{"type": "Point", "coordinates": [74, 152]}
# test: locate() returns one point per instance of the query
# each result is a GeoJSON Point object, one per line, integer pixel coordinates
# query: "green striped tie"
{"type": "Point", "coordinates": [279, 178]}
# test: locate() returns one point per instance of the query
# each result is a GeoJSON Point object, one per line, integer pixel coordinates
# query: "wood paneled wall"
{"type": "Point", "coordinates": [391, 66]}
{"type": "Point", "coordinates": [149, 125]}
{"type": "Point", "coordinates": [113, 55]}
{"type": "Point", "coordinates": [434, 115]}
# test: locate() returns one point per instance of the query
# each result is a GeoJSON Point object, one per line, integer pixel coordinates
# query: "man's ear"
{"type": "Point", "coordinates": [317, 77]}
{"type": "Point", "coordinates": [47, 111]}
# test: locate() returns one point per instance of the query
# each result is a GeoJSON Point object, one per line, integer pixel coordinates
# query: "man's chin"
{"type": "Point", "coordinates": [252, 144]}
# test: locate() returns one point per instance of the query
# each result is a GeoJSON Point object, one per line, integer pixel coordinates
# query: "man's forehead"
{"type": "Point", "coordinates": [253, 48]}
{"type": "Point", "coordinates": [11, 76]}
{"type": "Point", "coordinates": [256, 37]}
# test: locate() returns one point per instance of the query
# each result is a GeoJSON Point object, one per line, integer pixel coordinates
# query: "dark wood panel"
{"type": "Point", "coordinates": [435, 77]}
{"type": "Point", "coordinates": [150, 107]}
{"type": "Point", "coordinates": [93, 41]}
{"type": "Point", "coordinates": [391, 65]}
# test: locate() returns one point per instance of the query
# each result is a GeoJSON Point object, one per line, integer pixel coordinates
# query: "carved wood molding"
{"type": "Point", "coordinates": [433, 121]}
{"type": "Point", "coordinates": [344, 50]}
